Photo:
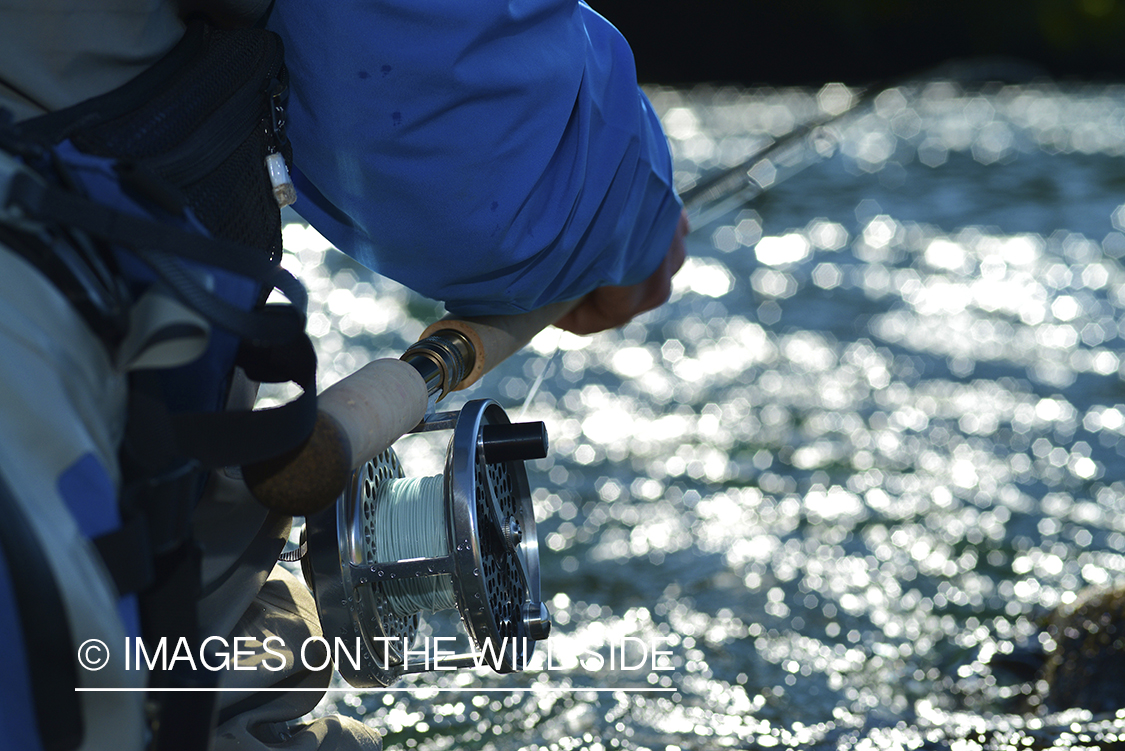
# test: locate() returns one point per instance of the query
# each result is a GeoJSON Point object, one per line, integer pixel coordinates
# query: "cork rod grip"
{"type": "Point", "coordinates": [495, 338]}
{"type": "Point", "coordinates": [359, 417]}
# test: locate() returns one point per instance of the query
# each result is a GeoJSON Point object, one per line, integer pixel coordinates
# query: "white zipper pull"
{"type": "Point", "coordinates": [283, 189]}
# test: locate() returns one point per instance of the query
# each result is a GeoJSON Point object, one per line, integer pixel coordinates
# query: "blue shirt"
{"type": "Point", "coordinates": [497, 156]}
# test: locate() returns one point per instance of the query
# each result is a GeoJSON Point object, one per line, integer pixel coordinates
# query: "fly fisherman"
{"type": "Point", "coordinates": [495, 156]}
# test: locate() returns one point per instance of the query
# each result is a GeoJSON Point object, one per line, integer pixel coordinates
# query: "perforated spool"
{"type": "Point", "coordinates": [500, 571]}
{"type": "Point", "coordinates": [348, 603]}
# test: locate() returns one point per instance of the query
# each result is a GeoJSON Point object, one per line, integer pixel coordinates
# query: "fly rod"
{"type": "Point", "coordinates": [818, 139]}
{"type": "Point", "coordinates": [733, 187]}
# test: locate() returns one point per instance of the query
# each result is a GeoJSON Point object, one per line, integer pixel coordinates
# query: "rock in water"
{"type": "Point", "coordinates": [1085, 667]}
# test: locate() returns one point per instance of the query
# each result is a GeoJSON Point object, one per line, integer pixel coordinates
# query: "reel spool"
{"type": "Point", "coordinates": [392, 548]}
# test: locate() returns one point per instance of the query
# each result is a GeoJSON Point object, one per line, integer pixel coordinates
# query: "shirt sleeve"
{"type": "Point", "coordinates": [497, 156]}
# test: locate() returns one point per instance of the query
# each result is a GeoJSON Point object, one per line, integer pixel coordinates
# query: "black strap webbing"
{"type": "Point", "coordinates": [127, 555]}
{"type": "Point", "coordinates": [48, 204]}
{"type": "Point", "coordinates": [275, 349]}
{"type": "Point", "coordinates": [238, 438]}
{"type": "Point", "coordinates": [46, 631]}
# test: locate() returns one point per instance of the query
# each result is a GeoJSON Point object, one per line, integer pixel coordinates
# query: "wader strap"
{"type": "Point", "coordinates": [186, 717]}
{"type": "Point", "coordinates": [46, 630]}
{"type": "Point", "coordinates": [238, 438]}
{"type": "Point", "coordinates": [45, 203]}
{"type": "Point", "coordinates": [127, 556]}
{"type": "Point", "coordinates": [75, 272]}
{"type": "Point", "coordinates": [157, 505]}
{"type": "Point", "coordinates": [276, 346]}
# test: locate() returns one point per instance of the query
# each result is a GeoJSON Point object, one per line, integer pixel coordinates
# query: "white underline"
{"type": "Point", "coordinates": [386, 690]}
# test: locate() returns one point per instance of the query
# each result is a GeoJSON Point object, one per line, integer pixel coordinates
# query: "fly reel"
{"type": "Point", "coordinates": [393, 548]}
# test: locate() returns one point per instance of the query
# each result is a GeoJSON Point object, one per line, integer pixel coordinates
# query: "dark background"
{"type": "Point", "coordinates": [807, 42]}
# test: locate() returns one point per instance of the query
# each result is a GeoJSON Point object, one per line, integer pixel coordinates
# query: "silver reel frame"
{"type": "Point", "coordinates": [493, 556]}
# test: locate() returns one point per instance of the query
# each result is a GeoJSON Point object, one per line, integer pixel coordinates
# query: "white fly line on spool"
{"type": "Point", "coordinates": [410, 522]}
{"type": "Point", "coordinates": [392, 548]}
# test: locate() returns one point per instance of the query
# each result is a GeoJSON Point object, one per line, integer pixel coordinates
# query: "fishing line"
{"type": "Point", "coordinates": [410, 522]}
{"type": "Point", "coordinates": [554, 347]}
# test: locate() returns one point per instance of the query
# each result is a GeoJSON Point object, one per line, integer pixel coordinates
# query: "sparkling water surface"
{"type": "Point", "coordinates": [874, 438]}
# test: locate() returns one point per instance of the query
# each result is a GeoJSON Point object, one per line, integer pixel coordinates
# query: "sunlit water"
{"type": "Point", "coordinates": [876, 435]}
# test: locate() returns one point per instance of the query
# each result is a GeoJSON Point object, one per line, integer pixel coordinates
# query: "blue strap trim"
{"type": "Point", "coordinates": [86, 489]}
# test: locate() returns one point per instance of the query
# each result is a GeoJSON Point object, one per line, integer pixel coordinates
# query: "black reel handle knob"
{"type": "Point", "coordinates": [514, 442]}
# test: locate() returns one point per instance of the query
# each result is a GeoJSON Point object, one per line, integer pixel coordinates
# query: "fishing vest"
{"type": "Point", "coordinates": [155, 210]}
